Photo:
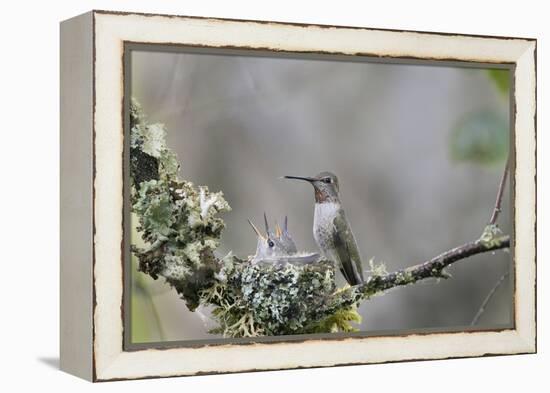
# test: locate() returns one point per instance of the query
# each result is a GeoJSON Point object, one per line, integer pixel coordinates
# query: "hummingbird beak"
{"type": "Point", "coordinates": [256, 230]}
{"type": "Point", "coordinates": [308, 179]}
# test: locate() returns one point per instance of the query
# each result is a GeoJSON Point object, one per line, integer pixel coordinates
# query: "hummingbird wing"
{"type": "Point", "coordinates": [346, 251]}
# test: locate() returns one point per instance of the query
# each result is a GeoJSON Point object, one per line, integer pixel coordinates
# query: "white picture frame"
{"type": "Point", "coordinates": [92, 198]}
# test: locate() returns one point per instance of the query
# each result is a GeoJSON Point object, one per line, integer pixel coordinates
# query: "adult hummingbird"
{"type": "Point", "coordinates": [331, 228]}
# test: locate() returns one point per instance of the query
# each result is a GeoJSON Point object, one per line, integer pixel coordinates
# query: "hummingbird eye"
{"type": "Point", "coordinates": [327, 180]}
{"type": "Point", "coordinates": [270, 243]}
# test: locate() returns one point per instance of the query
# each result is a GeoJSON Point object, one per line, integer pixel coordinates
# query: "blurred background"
{"type": "Point", "coordinates": [419, 151]}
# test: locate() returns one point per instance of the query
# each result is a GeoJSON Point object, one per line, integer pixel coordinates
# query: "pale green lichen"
{"type": "Point", "coordinates": [491, 236]}
{"type": "Point", "coordinates": [179, 220]}
{"type": "Point", "coordinates": [155, 209]}
{"type": "Point", "coordinates": [404, 277]}
{"type": "Point", "coordinates": [264, 299]}
{"type": "Point", "coordinates": [377, 269]}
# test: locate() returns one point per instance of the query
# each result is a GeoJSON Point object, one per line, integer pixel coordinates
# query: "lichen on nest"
{"type": "Point", "coordinates": [274, 299]}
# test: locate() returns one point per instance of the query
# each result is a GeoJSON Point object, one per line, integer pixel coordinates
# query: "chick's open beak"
{"type": "Point", "coordinates": [256, 230]}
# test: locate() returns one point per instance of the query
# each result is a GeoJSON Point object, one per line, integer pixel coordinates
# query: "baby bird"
{"type": "Point", "coordinates": [278, 247]}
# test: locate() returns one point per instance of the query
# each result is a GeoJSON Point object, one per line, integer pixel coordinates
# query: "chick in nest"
{"type": "Point", "coordinates": [278, 247]}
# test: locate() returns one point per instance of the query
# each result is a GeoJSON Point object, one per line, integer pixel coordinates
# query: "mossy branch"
{"type": "Point", "coordinates": [433, 268]}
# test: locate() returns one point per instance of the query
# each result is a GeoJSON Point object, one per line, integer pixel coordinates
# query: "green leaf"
{"type": "Point", "coordinates": [501, 79]}
{"type": "Point", "coordinates": [481, 138]}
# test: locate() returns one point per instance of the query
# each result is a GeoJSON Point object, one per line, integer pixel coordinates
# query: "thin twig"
{"type": "Point", "coordinates": [498, 203]}
{"type": "Point", "coordinates": [488, 299]}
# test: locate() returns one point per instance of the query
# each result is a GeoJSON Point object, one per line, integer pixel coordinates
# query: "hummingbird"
{"type": "Point", "coordinates": [278, 247]}
{"type": "Point", "coordinates": [331, 228]}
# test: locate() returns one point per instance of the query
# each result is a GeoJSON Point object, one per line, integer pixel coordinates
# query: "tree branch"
{"type": "Point", "coordinates": [491, 240]}
{"type": "Point", "coordinates": [429, 269]}
{"type": "Point", "coordinates": [498, 203]}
